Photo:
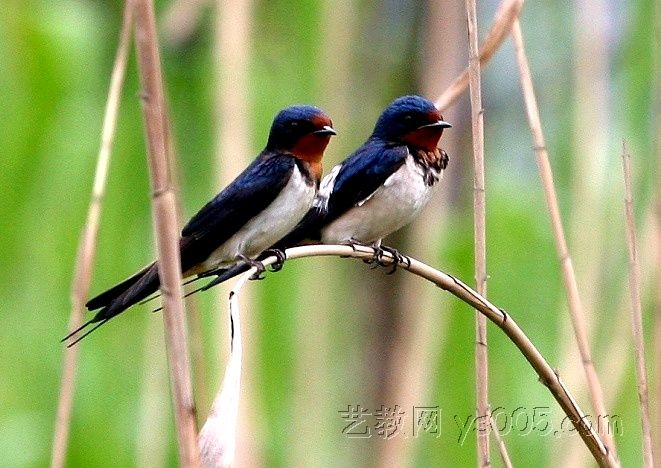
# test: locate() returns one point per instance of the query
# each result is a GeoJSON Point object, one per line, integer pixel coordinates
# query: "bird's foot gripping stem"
{"type": "Point", "coordinates": [279, 254]}
{"type": "Point", "coordinates": [398, 258]}
{"type": "Point", "coordinates": [256, 264]}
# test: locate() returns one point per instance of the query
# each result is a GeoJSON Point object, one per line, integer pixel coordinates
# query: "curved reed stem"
{"type": "Point", "coordinates": [499, 317]}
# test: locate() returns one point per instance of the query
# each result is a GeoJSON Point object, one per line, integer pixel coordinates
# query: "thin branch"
{"type": "Point", "coordinates": [165, 229]}
{"type": "Point", "coordinates": [657, 255]}
{"type": "Point", "coordinates": [499, 317]}
{"type": "Point", "coordinates": [636, 310]}
{"type": "Point", "coordinates": [217, 439]}
{"type": "Point", "coordinates": [618, 363]}
{"type": "Point", "coordinates": [502, 448]}
{"type": "Point", "coordinates": [502, 24]}
{"type": "Point", "coordinates": [479, 227]}
{"type": "Point", "coordinates": [87, 246]}
{"type": "Point", "coordinates": [568, 275]}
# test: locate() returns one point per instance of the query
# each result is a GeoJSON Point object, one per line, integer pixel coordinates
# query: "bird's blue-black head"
{"type": "Point", "coordinates": [295, 123]}
{"type": "Point", "coordinates": [412, 120]}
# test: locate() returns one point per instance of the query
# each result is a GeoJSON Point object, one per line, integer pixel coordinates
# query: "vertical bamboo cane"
{"type": "Point", "coordinates": [479, 208]}
{"type": "Point", "coordinates": [165, 229]}
{"type": "Point", "coordinates": [568, 275]}
{"type": "Point", "coordinates": [636, 310]}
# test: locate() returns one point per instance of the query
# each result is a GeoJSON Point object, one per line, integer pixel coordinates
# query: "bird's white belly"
{"type": "Point", "coordinates": [391, 207]}
{"type": "Point", "coordinates": [269, 226]}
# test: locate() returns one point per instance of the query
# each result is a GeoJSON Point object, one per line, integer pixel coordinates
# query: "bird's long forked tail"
{"type": "Point", "coordinates": [81, 328]}
{"type": "Point", "coordinates": [117, 299]}
{"type": "Point", "coordinates": [220, 276]}
{"type": "Point", "coordinates": [227, 274]}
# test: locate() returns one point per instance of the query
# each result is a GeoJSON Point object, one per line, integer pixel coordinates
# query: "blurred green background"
{"type": "Point", "coordinates": [324, 333]}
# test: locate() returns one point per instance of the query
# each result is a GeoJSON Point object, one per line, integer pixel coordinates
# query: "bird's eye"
{"type": "Point", "coordinates": [293, 124]}
{"type": "Point", "coordinates": [408, 117]}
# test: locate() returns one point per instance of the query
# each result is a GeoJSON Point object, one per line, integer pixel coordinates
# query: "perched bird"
{"type": "Point", "coordinates": [259, 207]}
{"type": "Point", "coordinates": [378, 189]}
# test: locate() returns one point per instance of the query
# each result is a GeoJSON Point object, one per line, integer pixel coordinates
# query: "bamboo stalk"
{"type": "Point", "coordinates": [502, 24]}
{"type": "Point", "coordinates": [87, 246]}
{"type": "Point", "coordinates": [657, 148]}
{"type": "Point", "coordinates": [165, 229]}
{"type": "Point", "coordinates": [499, 317]}
{"type": "Point", "coordinates": [568, 275]}
{"type": "Point", "coordinates": [193, 320]}
{"type": "Point", "coordinates": [479, 229]}
{"type": "Point", "coordinates": [636, 310]}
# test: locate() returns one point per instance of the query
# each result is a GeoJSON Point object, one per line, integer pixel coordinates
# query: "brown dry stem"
{"type": "Point", "coordinates": [479, 226]}
{"type": "Point", "coordinates": [636, 310]}
{"type": "Point", "coordinates": [568, 275]}
{"type": "Point", "coordinates": [166, 232]}
{"type": "Point", "coordinates": [88, 241]}
{"type": "Point", "coordinates": [499, 317]}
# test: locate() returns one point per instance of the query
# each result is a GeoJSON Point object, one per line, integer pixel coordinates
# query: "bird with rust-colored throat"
{"type": "Point", "coordinates": [378, 189]}
{"type": "Point", "coordinates": [259, 207]}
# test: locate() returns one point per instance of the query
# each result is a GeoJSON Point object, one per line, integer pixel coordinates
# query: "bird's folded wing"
{"type": "Point", "coordinates": [247, 196]}
{"type": "Point", "coordinates": [362, 174]}
{"type": "Point", "coordinates": [347, 185]}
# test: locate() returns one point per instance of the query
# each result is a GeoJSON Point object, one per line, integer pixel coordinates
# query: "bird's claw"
{"type": "Point", "coordinates": [281, 257]}
{"type": "Point", "coordinates": [375, 260]}
{"type": "Point", "coordinates": [398, 258]}
{"type": "Point", "coordinates": [380, 260]}
{"type": "Point", "coordinates": [259, 274]}
{"type": "Point", "coordinates": [256, 264]}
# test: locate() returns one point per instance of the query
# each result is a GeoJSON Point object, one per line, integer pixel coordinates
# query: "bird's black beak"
{"type": "Point", "coordinates": [326, 130]}
{"type": "Point", "coordinates": [438, 123]}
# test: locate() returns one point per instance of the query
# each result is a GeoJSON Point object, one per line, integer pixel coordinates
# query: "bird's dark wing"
{"type": "Point", "coordinates": [347, 185]}
{"type": "Point", "coordinates": [250, 193]}
{"type": "Point", "coordinates": [361, 174]}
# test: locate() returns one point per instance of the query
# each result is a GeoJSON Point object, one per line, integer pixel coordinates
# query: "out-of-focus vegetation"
{"type": "Point", "coordinates": [325, 332]}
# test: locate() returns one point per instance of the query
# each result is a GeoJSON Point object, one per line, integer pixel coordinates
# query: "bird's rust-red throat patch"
{"type": "Point", "coordinates": [424, 137]}
{"type": "Point", "coordinates": [311, 147]}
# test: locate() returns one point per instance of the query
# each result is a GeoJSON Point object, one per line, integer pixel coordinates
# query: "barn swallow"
{"type": "Point", "coordinates": [259, 207]}
{"type": "Point", "coordinates": [379, 188]}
